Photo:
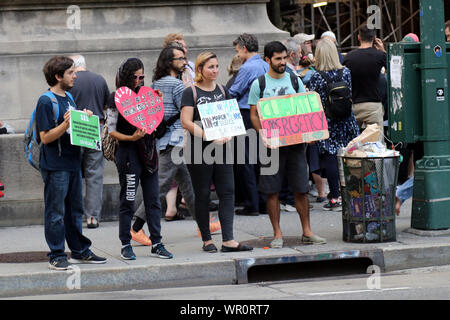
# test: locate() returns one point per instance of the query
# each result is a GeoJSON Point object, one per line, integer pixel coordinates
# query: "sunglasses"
{"type": "Point", "coordinates": [139, 77]}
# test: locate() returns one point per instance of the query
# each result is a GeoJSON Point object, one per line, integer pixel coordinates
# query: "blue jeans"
{"type": "Point", "coordinates": [63, 213]}
{"type": "Point", "coordinates": [405, 190]}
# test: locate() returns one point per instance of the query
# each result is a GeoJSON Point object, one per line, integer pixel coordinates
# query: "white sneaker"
{"type": "Point", "coordinates": [92, 223]}
{"type": "Point", "coordinates": [289, 208]}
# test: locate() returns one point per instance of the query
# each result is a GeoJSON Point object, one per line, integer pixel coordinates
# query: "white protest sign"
{"type": "Point", "coordinates": [221, 119]}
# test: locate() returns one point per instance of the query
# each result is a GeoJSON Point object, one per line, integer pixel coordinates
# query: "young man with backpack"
{"type": "Point", "coordinates": [60, 166]}
{"type": "Point", "coordinates": [292, 159]}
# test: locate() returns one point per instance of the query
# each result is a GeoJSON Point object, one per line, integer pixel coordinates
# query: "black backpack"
{"type": "Point", "coordinates": [338, 105]}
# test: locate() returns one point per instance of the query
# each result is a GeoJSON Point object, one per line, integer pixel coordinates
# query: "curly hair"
{"type": "Point", "coordinates": [125, 75]}
{"type": "Point", "coordinates": [164, 63]}
{"type": "Point", "coordinates": [247, 40]}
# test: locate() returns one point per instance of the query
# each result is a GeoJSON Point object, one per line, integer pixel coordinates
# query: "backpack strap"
{"type": "Point", "coordinates": [222, 89]}
{"type": "Point", "coordinates": [294, 81]}
{"type": "Point", "coordinates": [262, 85]}
{"type": "Point", "coordinates": [194, 94]}
{"type": "Point", "coordinates": [55, 105]}
{"type": "Point", "coordinates": [325, 76]}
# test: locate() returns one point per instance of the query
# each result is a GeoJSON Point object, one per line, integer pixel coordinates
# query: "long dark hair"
{"type": "Point", "coordinates": [125, 75]}
{"type": "Point", "coordinates": [164, 63]}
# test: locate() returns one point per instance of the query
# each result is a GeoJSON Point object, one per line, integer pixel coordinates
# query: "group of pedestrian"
{"type": "Point", "coordinates": [143, 159]}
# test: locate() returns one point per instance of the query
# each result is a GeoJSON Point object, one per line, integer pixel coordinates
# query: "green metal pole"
{"type": "Point", "coordinates": [431, 199]}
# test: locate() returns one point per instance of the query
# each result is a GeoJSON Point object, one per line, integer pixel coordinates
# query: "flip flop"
{"type": "Point", "coordinates": [240, 247]}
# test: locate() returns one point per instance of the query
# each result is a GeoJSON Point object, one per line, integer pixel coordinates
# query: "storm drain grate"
{"type": "Point", "coordinates": [307, 270]}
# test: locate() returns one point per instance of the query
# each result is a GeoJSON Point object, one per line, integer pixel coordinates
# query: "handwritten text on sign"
{"type": "Point", "coordinates": [221, 119]}
{"type": "Point", "coordinates": [293, 119]}
{"type": "Point", "coordinates": [142, 110]}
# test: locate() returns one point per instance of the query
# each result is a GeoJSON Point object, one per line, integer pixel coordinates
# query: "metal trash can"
{"type": "Point", "coordinates": [368, 198]}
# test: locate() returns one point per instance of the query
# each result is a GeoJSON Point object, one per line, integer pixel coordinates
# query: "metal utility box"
{"type": "Point", "coordinates": [404, 92]}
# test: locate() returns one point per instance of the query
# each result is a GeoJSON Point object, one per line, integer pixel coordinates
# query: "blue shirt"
{"type": "Point", "coordinates": [248, 72]}
{"type": "Point", "coordinates": [274, 88]}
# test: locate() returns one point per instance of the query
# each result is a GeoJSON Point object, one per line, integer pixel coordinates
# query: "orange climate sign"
{"type": "Point", "coordinates": [293, 119]}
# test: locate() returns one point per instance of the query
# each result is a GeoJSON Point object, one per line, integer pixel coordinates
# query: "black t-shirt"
{"type": "Point", "coordinates": [202, 97]}
{"type": "Point", "coordinates": [90, 91]}
{"type": "Point", "coordinates": [365, 66]}
{"type": "Point", "coordinates": [51, 159]}
{"type": "Point", "coordinates": [187, 100]}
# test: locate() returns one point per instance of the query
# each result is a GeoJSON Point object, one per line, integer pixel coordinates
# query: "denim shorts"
{"type": "Point", "coordinates": [292, 164]}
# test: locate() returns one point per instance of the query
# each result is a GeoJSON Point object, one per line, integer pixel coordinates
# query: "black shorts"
{"type": "Point", "coordinates": [292, 164]}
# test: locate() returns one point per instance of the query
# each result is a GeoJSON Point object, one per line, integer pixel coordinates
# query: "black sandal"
{"type": "Point", "coordinates": [240, 247]}
{"type": "Point", "coordinates": [211, 248]}
{"type": "Point", "coordinates": [177, 216]}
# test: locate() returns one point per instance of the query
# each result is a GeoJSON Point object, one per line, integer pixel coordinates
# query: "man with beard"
{"type": "Point", "coordinates": [292, 159]}
{"type": "Point", "coordinates": [60, 166]}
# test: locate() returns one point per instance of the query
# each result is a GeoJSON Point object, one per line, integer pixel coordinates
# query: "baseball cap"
{"type": "Point", "coordinates": [302, 37]}
{"type": "Point", "coordinates": [328, 34]}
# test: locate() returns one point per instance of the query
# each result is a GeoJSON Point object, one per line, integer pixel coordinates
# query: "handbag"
{"type": "Point", "coordinates": [109, 144]}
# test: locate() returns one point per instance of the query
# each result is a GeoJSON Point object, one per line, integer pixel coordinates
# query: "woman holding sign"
{"type": "Point", "coordinates": [342, 129]}
{"type": "Point", "coordinates": [206, 90]}
{"type": "Point", "coordinates": [137, 162]}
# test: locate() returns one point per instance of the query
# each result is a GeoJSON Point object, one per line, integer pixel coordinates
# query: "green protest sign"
{"type": "Point", "coordinates": [292, 119]}
{"type": "Point", "coordinates": [85, 130]}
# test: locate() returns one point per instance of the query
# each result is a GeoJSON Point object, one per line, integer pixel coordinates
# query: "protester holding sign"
{"type": "Point", "coordinates": [60, 166]}
{"type": "Point", "coordinates": [136, 160]}
{"type": "Point", "coordinates": [206, 90]}
{"type": "Point", "coordinates": [292, 158]}
{"type": "Point", "coordinates": [342, 131]}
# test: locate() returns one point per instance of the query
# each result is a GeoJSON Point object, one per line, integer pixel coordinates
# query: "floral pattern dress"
{"type": "Point", "coordinates": [341, 131]}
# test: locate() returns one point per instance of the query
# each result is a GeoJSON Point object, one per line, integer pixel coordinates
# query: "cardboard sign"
{"type": "Point", "coordinates": [85, 130]}
{"type": "Point", "coordinates": [142, 110]}
{"type": "Point", "coordinates": [293, 119]}
{"type": "Point", "coordinates": [221, 119]}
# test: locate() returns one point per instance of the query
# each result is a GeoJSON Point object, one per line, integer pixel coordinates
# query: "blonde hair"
{"type": "Point", "coordinates": [327, 57]}
{"type": "Point", "coordinates": [234, 66]}
{"type": "Point", "coordinates": [202, 58]}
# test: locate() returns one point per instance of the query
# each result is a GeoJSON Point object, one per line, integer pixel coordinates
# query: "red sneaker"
{"type": "Point", "coordinates": [1, 194]}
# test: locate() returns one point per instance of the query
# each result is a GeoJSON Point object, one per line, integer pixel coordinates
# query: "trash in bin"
{"type": "Point", "coordinates": [368, 175]}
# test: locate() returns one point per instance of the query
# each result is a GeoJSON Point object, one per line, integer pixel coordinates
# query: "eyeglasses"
{"type": "Point", "coordinates": [180, 59]}
{"type": "Point", "coordinates": [141, 77]}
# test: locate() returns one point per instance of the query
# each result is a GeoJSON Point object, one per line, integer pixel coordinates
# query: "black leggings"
{"type": "Point", "coordinates": [329, 168]}
{"type": "Point", "coordinates": [222, 175]}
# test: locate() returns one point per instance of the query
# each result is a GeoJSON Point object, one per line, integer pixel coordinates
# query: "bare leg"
{"type": "Point", "coordinates": [273, 207]}
{"type": "Point", "coordinates": [302, 206]}
{"type": "Point", "coordinates": [171, 200]}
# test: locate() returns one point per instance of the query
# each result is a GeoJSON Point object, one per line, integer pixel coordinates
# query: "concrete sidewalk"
{"type": "Point", "coordinates": [191, 266]}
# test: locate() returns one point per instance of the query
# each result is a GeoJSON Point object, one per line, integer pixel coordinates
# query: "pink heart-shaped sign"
{"type": "Point", "coordinates": [143, 110]}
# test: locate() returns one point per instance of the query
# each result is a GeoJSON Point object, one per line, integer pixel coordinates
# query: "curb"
{"type": "Point", "coordinates": [224, 272]}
